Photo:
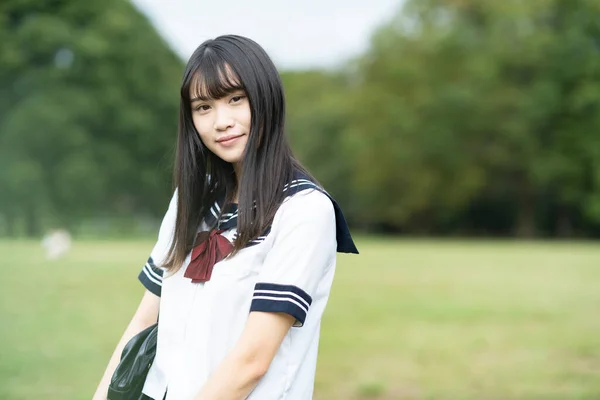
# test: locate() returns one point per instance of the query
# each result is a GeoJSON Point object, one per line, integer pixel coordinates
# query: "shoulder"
{"type": "Point", "coordinates": [168, 223]}
{"type": "Point", "coordinates": [172, 209]}
{"type": "Point", "coordinates": [173, 202]}
{"type": "Point", "coordinates": [309, 205]}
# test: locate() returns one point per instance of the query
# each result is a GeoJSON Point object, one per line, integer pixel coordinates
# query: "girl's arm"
{"type": "Point", "coordinates": [249, 360]}
{"type": "Point", "coordinates": [303, 252]}
{"type": "Point", "coordinates": [146, 315]}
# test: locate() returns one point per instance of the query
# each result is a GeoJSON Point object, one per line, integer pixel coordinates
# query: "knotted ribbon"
{"type": "Point", "coordinates": [209, 248]}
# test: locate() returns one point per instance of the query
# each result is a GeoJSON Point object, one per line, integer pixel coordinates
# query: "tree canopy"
{"type": "Point", "coordinates": [462, 117]}
{"type": "Point", "coordinates": [88, 111]}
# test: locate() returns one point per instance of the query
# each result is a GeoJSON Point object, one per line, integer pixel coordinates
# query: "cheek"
{"type": "Point", "coordinates": [202, 127]}
{"type": "Point", "coordinates": [245, 116]}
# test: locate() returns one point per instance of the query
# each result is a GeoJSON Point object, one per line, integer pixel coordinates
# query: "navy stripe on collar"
{"type": "Point", "coordinates": [227, 218]}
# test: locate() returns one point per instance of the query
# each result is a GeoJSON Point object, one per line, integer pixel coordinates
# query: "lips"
{"type": "Point", "coordinates": [228, 140]}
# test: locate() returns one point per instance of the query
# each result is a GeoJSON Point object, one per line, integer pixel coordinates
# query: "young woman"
{"type": "Point", "coordinates": [246, 252]}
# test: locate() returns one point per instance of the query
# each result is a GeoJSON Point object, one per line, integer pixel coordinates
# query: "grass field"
{"type": "Point", "coordinates": [407, 319]}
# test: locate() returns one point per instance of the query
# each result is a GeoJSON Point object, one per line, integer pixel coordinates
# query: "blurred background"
{"type": "Point", "coordinates": [461, 137]}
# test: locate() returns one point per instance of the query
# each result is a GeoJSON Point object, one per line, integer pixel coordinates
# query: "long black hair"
{"type": "Point", "coordinates": [217, 68]}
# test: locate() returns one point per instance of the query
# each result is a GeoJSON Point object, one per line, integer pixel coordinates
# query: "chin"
{"type": "Point", "coordinates": [232, 155]}
{"type": "Point", "coordinates": [230, 158]}
{"type": "Point", "coordinates": [233, 160]}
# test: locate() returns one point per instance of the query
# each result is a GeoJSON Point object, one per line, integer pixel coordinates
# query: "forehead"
{"type": "Point", "coordinates": [214, 82]}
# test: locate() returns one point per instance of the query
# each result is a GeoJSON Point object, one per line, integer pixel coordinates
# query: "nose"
{"type": "Point", "coordinates": [223, 119]}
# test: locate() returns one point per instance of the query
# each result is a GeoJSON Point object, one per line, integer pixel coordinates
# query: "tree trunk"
{"type": "Point", "coordinates": [11, 229]}
{"type": "Point", "coordinates": [564, 225]}
{"type": "Point", "coordinates": [32, 228]}
{"type": "Point", "coordinates": [526, 213]}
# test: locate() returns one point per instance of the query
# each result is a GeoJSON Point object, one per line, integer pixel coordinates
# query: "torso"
{"type": "Point", "coordinates": [201, 322]}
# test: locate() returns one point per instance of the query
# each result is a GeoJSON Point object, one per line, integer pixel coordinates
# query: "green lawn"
{"type": "Point", "coordinates": [407, 319]}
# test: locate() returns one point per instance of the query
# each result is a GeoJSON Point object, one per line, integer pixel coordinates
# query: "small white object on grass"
{"type": "Point", "coordinates": [57, 243]}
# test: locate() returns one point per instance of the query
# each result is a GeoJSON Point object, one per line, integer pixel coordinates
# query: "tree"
{"type": "Point", "coordinates": [468, 98]}
{"type": "Point", "coordinates": [318, 112]}
{"type": "Point", "coordinates": [89, 115]}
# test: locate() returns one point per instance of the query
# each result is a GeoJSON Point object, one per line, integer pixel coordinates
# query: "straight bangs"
{"type": "Point", "coordinates": [212, 79]}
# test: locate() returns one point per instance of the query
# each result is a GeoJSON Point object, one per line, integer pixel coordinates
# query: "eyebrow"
{"type": "Point", "coordinates": [228, 92]}
{"type": "Point", "coordinates": [199, 98]}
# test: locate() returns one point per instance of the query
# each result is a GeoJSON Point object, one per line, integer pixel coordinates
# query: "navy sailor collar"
{"type": "Point", "coordinates": [227, 216]}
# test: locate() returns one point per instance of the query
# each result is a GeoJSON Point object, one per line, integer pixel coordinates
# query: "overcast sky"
{"type": "Point", "coordinates": [296, 34]}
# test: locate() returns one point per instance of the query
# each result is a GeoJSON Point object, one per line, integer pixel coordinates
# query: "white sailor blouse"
{"type": "Point", "coordinates": [203, 312]}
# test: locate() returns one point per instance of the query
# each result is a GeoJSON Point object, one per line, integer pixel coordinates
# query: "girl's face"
{"type": "Point", "coordinates": [223, 124]}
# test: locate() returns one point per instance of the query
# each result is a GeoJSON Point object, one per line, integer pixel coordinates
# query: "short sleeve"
{"type": "Point", "coordinates": [151, 274]}
{"type": "Point", "coordinates": [304, 248]}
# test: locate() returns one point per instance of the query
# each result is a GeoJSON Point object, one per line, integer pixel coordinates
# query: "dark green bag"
{"type": "Point", "coordinates": [137, 356]}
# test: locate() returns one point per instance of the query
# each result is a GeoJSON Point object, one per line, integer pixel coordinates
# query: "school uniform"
{"type": "Point", "coordinates": [289, 269]}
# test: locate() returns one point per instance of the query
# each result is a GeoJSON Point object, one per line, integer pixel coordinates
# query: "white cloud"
{"type": "Point", "coordinates": [296, 34]}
